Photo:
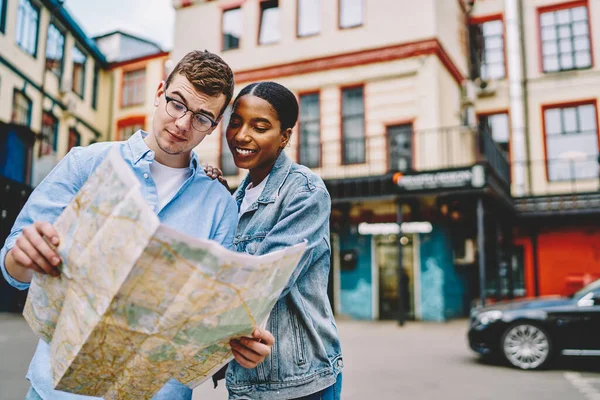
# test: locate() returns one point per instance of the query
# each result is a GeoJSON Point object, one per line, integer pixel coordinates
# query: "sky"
{"type": "Point", "coordinates": [150, 19]}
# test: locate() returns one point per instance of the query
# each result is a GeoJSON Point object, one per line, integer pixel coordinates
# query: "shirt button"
{"type": "Point", "coordinates": [145, 176]}
{"type": "Point", "coordinates": [152, 208]}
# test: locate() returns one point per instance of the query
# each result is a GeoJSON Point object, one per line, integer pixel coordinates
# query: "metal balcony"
{"type": "Point", "coordinates": [355, 168]}
{"type": "Point", "coordinates": [560, 187]}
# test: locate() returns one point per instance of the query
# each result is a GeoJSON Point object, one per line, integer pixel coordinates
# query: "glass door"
{"type": "Point", "coordinates": [386, 251]}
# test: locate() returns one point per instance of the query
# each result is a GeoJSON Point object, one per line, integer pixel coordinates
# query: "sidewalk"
{"type": "Point", "coordinates": [382, 361]}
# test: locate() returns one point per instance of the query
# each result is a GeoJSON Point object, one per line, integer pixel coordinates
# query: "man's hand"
{"type": "Point", "coordinates": [215, 173]}
{"type": "Point", "coordinates": [33, 253]}
{"type": "Point", "coordinates": [249, 352]}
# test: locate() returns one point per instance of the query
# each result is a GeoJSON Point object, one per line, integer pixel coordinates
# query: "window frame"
{"type": "Point", "coordinates": [573, 104]}
{"type": "Point", "coordinates": [18, 39]}
{"type": "Point", "coordinates": [263, 5]}
{"type": "Point", "coordinates": [481, 20]}
{"type": "Point", "coordinates": [54, 146]}
{"type": "Point", "coordinates": [29, 108]}
{"type": "Point", "coordinates": [95, 83]}
{"type": "Point", "coordinates": [223, 12]}
{"type": "Point", "coordinates": [77, 135]}
{"type": "Point", "coordinates": [84, 71]}
{"type": "Point", "coordinates": [487, 115]}
{"type": "Point", "coordinates": [342, 117]}
{"type": "Point", "coordinates": [555, 8]}
{"type": "Point", "coordinates": [319, 163]}
{"type": "Point", "coordinates": [133, 121]}
{"type": "Point", "coordinates": [318, 32]}
{"type": "Point", "coordinates": [3, 10]}
{"type": "Point", "coordinates": [397, 124]}
{"type": "Point", "coordinates": [125, 102]}
{"type": "Point", "coordinates": [59, 74]}
{"type": "Point", "coordinates": [362, 19]}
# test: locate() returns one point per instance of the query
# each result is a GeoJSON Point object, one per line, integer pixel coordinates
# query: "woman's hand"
{"type": "Point", "coordinates": [215, 173]}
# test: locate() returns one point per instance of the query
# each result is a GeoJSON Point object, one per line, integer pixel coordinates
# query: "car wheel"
{"type": "Point", "coordinates": [526, 346]}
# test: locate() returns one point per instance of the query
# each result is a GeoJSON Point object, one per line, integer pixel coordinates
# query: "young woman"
{"type": "Point", "coordinates": [281, 204]}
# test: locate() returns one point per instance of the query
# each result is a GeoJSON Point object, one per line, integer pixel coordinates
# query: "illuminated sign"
{"type": "Point", "coordinates": [473, 177]}
{"type": "Point", "coordinates": [390, 228]}
{"type": "Point", "coordinates": [416, 227]}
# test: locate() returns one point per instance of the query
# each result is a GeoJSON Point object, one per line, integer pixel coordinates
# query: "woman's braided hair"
{"type": "Point", "coordinates": [279, 97]}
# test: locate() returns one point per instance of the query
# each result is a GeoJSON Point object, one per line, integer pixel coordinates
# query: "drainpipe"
{"type": "Point", "coordinates": [518, 96]}
{"type": "Point", "coordinates": [401, 305]}
{"type": "Point", "coordinates": [481, 252]}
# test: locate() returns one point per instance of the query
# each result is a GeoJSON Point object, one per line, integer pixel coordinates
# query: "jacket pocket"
{"type": "Point", "coordinates": [248, 245]}
{"type": "Point", "coordinates": [299, 339]}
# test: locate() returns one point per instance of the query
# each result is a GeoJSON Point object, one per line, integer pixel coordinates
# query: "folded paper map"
{"type": "Point", "coordinates": [138, 303]}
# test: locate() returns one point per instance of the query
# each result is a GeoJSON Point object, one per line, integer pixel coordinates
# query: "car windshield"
{"type": "Point", "coordinates": [586, 289]}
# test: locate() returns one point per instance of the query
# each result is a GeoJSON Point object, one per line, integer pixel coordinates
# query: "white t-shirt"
{"type": "Point", "coordinates": [252, 194]}
{"type": "Point", "coordinates": [168, 181]}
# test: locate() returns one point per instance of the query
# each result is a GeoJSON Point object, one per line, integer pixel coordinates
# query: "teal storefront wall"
{"type": "Point", "coordinates": [443, 286]}
{"type": "Point", "coordinates": [356, 286]}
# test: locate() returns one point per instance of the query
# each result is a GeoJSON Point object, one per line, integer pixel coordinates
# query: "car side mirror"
{"type": "Point", "coordinates": [589, 300]}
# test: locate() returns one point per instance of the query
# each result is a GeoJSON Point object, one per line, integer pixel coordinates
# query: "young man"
{"type": "Point", "coordinates": [189, 105]}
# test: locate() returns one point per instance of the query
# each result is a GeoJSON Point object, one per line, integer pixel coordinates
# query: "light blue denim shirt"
{"type": "Point", "coordinates": [202, 208]}
{"type": "Point", "coordinates": [306, 357]}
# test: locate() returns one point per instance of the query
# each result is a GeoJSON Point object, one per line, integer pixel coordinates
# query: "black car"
{"type": "Point", "coordinates": [529, 333]}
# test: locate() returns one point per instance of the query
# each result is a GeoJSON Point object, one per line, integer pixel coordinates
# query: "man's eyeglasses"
{"type": "Point", "coordinates": [177, 109]}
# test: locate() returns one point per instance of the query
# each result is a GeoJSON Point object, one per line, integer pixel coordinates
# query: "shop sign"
{"type": "Point", "coordinates": [473, 177]}
{"type": "Point", "coordinates": [388, 228]}
{"type": "Point", "coordinates": [416, 227]}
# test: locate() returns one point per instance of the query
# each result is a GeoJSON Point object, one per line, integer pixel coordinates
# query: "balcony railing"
{"type": "Point", "coordinates": [409, 151]}
{"type": "Point", "coordinates": [555, 186]}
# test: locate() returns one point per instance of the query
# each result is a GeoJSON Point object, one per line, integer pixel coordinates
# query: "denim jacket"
{"type": "Point", "coordinates": [306, 357]}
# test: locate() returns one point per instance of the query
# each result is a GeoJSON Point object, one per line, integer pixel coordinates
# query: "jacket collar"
{"type": "Point", "coordinates": [275, 179]}
{"type": "Point", "coordinates": [139, 149]}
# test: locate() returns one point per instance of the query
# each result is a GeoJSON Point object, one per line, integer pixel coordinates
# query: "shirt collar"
{"type": "Point", "coordinates": [275, 180]}
{"type": "Point", "coordinates": [139, 149]}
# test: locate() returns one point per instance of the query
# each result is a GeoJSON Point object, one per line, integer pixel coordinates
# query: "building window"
{"type": "Point", "coordinates": [571, 142]}
{"type": "Point", "coordinates": [353, 126]}
{"type": "Point", "coordinates": [49, 134]}
{"type": "Point", "coordinates": [128, 127]}
{"type": "Point", "coordinates": [487, 50]}
{"type": "Point", "coordinates": [74, 138]}
{"type": "Point", "coordinates": [128, 131]}
{"type": "Point", "coordinates": [55, 48]}
{"type": "Point", "coordinates": [269, 22]}
{"type": "Point", "coordinates": [498, 127]}
{"type": "Point", "coordinates": [134, 88]}
{"type": "Point", "coordinates": [79, 60]}
{"type": "Point", "coordinates": [309, 17]}
{"type": "Point", "coordinates": [309, 127]}
{"type": "Point", "coordinates": [351, 13]}
{"type": "Point", "coordinates": [95, 87]}
{"type": "Point", "coordinates": [21, 113]}
{"type": "Point", "coordinates": [226, 157]}
{"type": "Point", "coordinates": [565, 39]}
{"type": "Point", "coordinates": [3, 15]}
{"type": "Point", "coordinates": [232, 28]}
{"type": "Point", "coordinates": [27, 26]}
{"type": "Point", "coordinates": [400, 138]}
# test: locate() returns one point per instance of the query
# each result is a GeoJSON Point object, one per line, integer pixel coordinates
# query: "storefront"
{"type": "Point", "coordinates": [412, 253]}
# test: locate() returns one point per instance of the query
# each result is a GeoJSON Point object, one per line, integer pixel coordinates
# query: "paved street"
{"type": "Point", "coordinates": [383, 361]}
